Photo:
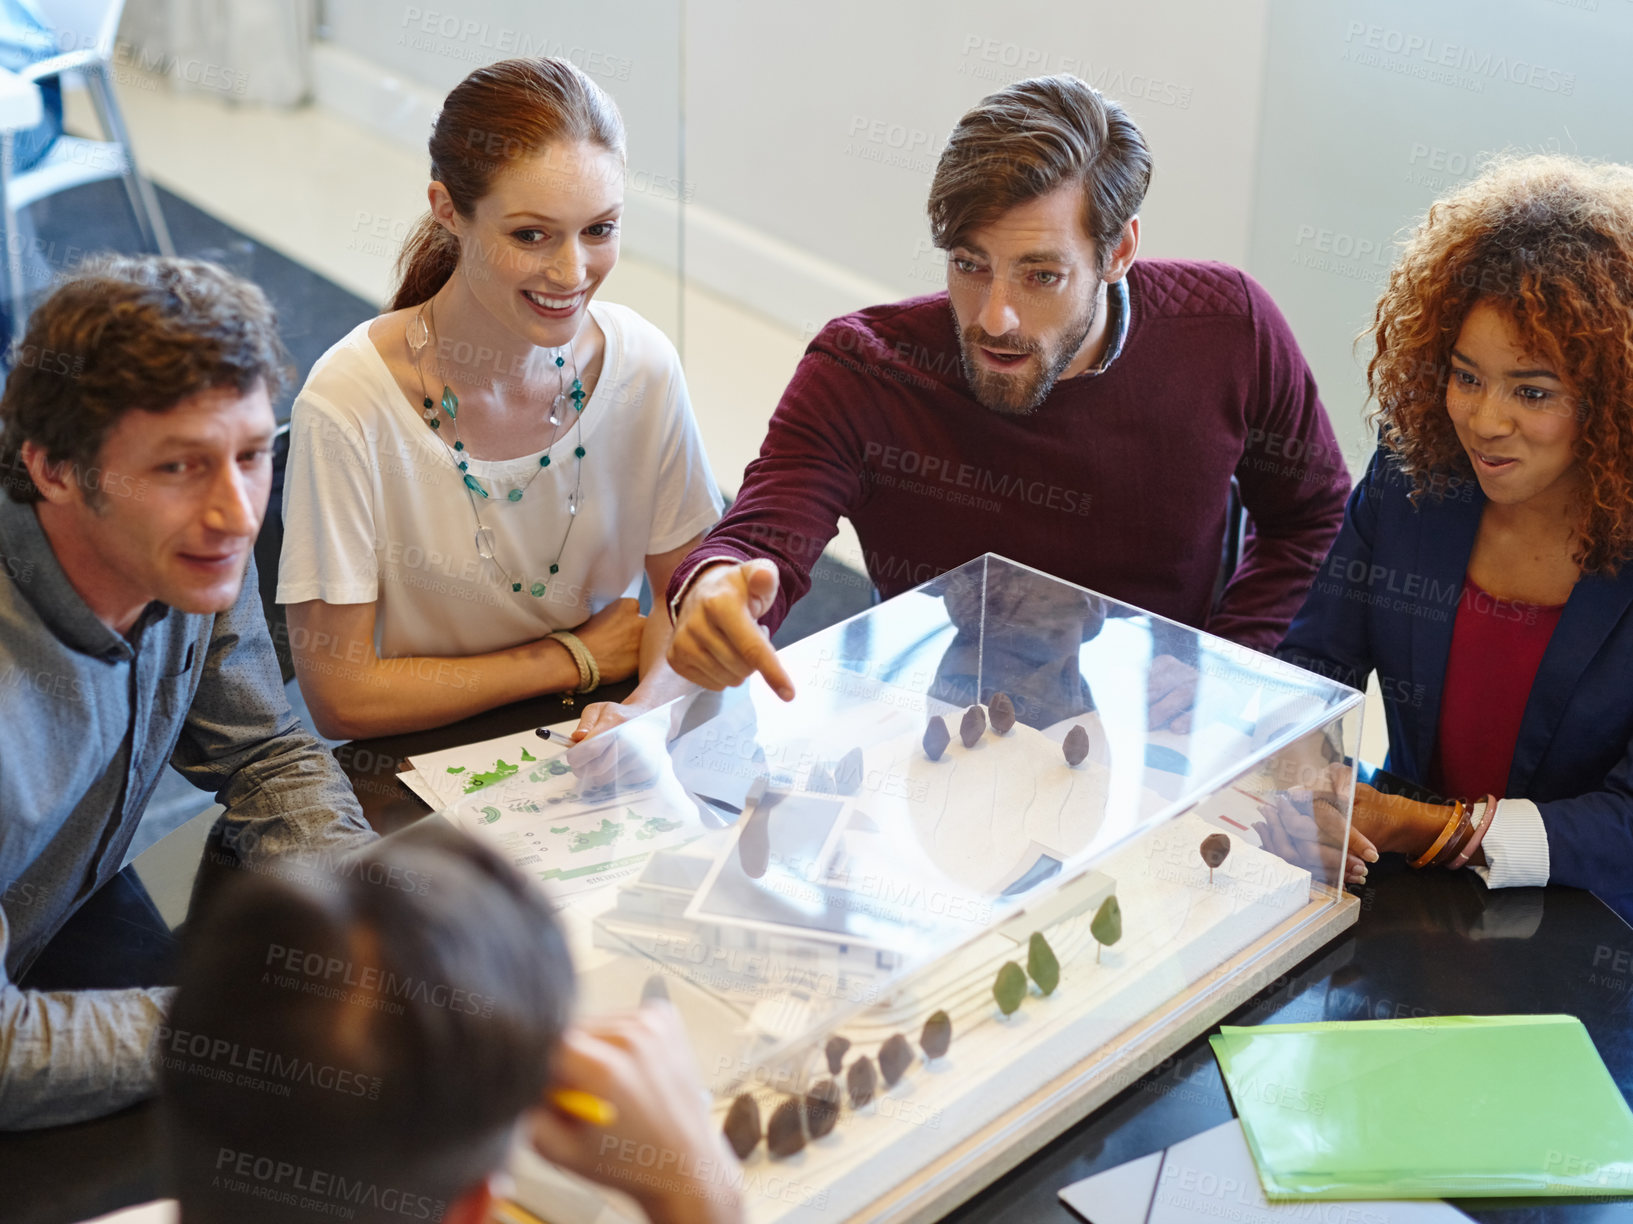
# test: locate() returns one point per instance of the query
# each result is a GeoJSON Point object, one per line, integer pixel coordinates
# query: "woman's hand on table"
{"type": "Point", "coordinates": [1305, 825]}
{"type": "Point", "coordinates": [613, 636]}
{"type": "Point", "coordinates": [659, 685]}
{"type": "Point", "coordinates": [603, 716]}
{"type": "Point", "coordinates": [1394, 823]}
{"type": "Point", "coordinates": [663, 1149]}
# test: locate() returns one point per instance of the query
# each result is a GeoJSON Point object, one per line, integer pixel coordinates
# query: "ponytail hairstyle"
{"type": "Point", "coordinates": [498, 115]}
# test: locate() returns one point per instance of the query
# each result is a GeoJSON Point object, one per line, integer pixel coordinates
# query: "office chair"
{"type": "Point", "coordinates": [85, 32]}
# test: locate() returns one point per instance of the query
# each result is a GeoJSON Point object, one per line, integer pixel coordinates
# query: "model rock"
{"type": "Point", "coordinates": [895, 1056]}
{"type": "Point", "coordinates": [1215, 849]}
{"type": "Point", "coordinates": [937, 1035]}
{"type": "Point", "coordinates": [973, 726]}
{"type": "Point", "coordinates": [1001, 711]}
{"type": "Point", "coordinates": [1075, 746]}
{"type": "Point", "coordinates": [742, 1128]}
{"type": "Point", "coordinates": [936, 738]}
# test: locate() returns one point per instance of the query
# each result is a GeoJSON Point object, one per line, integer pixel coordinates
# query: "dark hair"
{"type": "Point", "coordinates": [499, 114]}
{"type": "Point", "coordinates": [1030, 138]}
{"type": "Point", "coordinates": [130, 332]}
{"type": "Point", "coordinates": [365, 1035]}
{"type": "Point", "coordinates": [1548, 239]}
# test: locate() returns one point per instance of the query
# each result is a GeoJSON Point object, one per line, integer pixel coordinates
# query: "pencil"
{"type": "Point", "coordinates": [585, 1106]}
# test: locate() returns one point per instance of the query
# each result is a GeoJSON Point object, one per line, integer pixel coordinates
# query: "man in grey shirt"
{"type": "Point", "coordinates": [135, 448]}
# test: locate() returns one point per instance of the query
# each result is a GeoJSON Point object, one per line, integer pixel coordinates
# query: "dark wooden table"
{"type": "Point", "coordinates": [1427, 943]}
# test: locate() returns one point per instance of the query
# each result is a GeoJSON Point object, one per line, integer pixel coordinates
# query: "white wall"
{"type": "Point", "coordinates": [812, 130]}
{"type": "Point", "coordinates": [818, 126]}
{"type": "Point", "coordinates": [1373, 110]}
{"type": "Point", "coordinates": [1292, 137]}
{"type": "Point", "coordinates": [388, 65]}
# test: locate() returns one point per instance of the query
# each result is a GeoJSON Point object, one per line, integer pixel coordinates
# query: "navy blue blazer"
{"type": "Point", "coordinates": [1386, 599]}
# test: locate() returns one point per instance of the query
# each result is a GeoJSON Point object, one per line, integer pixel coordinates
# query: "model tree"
{"type": "Point", "coordinates": [1107, 925]}
{"type": "Point", "coordinates": [1041, 963]}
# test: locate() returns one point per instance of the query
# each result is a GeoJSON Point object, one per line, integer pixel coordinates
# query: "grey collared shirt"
{"type": "Point", "coordinates": [88, 721]}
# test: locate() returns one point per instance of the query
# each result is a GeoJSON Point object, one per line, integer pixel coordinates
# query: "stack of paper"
{"type": "Point", "coordinates": [1210, 1178]}
{"type": "Point", "coordinates": [573, 829]}
{"type": "Point", "coordinates": [445, 777]}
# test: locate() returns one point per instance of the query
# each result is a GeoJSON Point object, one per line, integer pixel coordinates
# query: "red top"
{"type": "Point", "coordinates": [1118, 482]}
{"type": "Point", "coordinates": [1497, 646]}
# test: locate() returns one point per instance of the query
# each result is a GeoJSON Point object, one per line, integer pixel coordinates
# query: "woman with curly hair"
{"type": "Point", "coordinates": [1480, 567]}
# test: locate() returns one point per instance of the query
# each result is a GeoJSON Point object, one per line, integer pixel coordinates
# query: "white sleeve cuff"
{"type": "Point", "coordinates": [706, 563]}
{"type": "Point", "coordinates": [1516, 846]}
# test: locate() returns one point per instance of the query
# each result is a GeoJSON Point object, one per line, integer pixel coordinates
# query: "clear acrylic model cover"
{"type": "Point", "coordinates": [992, 754]}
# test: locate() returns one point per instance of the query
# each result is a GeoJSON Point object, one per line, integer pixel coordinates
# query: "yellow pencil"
{"type": "Point", "coordinates": [585, 1106]}
{"type": "Point", "coordinates": [507, 1212]}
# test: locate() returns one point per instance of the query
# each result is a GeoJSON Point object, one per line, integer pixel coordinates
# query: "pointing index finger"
{"type": "Point", "coordinates": [753, 646]}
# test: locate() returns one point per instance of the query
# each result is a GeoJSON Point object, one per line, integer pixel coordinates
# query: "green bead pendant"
{"type": "Point", "coordinates": [472, 484]}
{"type": "Point", "coordinates": [515, 495]}
{"type": "Point", "coordinates": [579, 451]}
{"type": "Point", "coordinates": [545, 462]}
{"type": "Point", "coordinates": [450, 402]}
{"type": "Point", "coordinates": [538, 589]}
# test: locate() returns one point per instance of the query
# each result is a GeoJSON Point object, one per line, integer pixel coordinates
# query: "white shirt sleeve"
{"type": "Point", "coordinates": [688, 502]}
{"type": "Point", "coordinates": [329, 530]}
{"type": "Point", "coordinates": [1516, 846]}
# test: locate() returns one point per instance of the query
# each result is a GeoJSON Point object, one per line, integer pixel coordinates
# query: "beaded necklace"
{"type": "Point", "coordinates": [419, 335]}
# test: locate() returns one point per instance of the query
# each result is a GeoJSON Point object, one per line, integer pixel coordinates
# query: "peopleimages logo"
{"type": "Point", "coordinates": [1433, 58]}
{"type": "Point", "coordinates": [482, 42]}
{"type": "Point", "coordinates": [317, 1190]}
{"type": "Point", "coordinates": [221, 1059]}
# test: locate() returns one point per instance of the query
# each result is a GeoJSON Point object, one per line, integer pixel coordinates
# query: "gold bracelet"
{"type": "Point", "coordinates": [1428, 855]}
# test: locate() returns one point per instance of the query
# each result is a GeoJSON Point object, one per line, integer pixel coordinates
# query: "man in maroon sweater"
{"type": "Point", "coordinates": [1060, 404]}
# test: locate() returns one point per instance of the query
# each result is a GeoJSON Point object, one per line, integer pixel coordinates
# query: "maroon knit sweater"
{"type": "Point", "coordinates": [1118, 482]}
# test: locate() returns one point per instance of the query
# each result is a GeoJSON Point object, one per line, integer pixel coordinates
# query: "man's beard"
{"type": "Point", "coordinates": [1023, 392]}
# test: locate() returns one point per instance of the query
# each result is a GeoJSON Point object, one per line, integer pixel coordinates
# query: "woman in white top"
{"type": "Point", "coordinates": [478, 478]}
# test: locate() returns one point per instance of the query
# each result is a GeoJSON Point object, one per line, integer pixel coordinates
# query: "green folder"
{"type": "Point", "coordinates": [1443, 1107]}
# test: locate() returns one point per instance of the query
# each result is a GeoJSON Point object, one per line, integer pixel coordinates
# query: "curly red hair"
{"type": "Point", "coordinates": [1549, 240]}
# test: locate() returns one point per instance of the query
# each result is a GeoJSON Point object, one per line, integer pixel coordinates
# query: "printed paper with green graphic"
{"type": "Point", "coordinates": [540, 820]}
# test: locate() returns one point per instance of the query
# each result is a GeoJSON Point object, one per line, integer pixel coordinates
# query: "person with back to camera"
{"type": "Point", "coordinates": [1481, 569]}
{"type": "Point", "coordinates": [367, 1042]}
{"type": "Point", "coordinates": [1063, 403]}
{"type": "Point", "coordinates": [479, 477]}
